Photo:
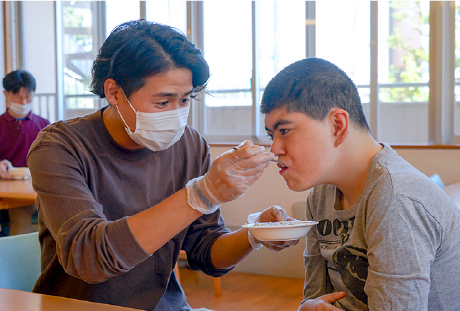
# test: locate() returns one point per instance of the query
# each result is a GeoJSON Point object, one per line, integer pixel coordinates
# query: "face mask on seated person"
{"type": "Point", "coordinates": [20, 110]}
{"type": "Point", "coordinates": [159, 130]}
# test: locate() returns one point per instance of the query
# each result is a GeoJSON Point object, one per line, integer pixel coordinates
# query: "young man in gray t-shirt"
{"type": "Point", "coordinates": [388, 238]}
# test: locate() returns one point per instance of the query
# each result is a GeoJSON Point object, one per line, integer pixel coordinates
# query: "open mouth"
{"type": "Point", "coordinates": [280, 164]}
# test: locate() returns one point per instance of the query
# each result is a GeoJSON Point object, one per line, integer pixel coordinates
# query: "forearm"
{"type": "Point", "coordinates": [157, 225]}
{"type": "Point", "coordinates": [230, 248]}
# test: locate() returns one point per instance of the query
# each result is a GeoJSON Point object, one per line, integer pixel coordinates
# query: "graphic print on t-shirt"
{"type": "Point", "coordinates": [351, 262]}
{"type": "Point", "coordinates": [353, 265]}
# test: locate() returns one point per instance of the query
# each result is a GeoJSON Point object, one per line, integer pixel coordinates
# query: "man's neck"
{"type": "Point", "coordinates": [355, 169]}
{"type": "Point", "coordinates": [116, 128]}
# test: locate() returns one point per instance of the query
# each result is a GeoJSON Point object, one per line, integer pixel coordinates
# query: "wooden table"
{"type": "Point", "coordinates": [16, 300]}
{"type": "Point", "coordinates": [16, 193]}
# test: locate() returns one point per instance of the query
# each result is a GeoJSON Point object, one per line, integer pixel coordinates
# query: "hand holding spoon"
{"type": "Point", "coordinates": [273, 160]}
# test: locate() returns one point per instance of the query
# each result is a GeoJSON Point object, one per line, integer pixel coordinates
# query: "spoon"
{"type": "Point", "coordinates": [279, 163]}
{"type": "Point", "coordinates": [273, 160]}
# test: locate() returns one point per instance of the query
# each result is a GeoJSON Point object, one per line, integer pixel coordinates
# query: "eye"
{"type": "Point", "coordinates": [270, 136]}
{"type": "Point", "coordinates": [284, 131]}
{"type": "Point", "coordinates": [162, 104]}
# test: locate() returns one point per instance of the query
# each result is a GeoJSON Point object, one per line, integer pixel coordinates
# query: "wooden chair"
{"type": "Point", "coordinates": [215, 280]}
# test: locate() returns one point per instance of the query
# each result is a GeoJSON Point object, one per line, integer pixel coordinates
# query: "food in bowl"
{"type": "Point", "coordinates": [20, 172]}
{"type": "Point", "coordinates": [280, 231]}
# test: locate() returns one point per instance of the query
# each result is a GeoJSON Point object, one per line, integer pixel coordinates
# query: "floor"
{"type": "Point", "coordinates": [242, 291]}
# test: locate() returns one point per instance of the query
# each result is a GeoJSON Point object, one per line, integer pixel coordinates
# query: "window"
{"type": "Point", "coordinates": [78, 43]}
{"type": "Point", "coordinates": [172, 13]}
{"type": "Point", "coordinates": [243, 58]}
{"type": "Point", "coordinates": [117, 12]}
{"type": "Point", "coordinates": [403, 72]}
{"type": "Point", "coordinates": [388, 60]}
{"type": "Point", "coordinates": [347, 46]}
{"type": "Point", "coordinates": [85, 25]}
{"type": "Point", "coordinates": [403, 56]}
{"type": "Point", "coordinates": [401, 92]}
{"type": "Point", "coordinates": [279, 22]}
{"type": "Point", "coordinates": [227, 108]}
{"type": "Point", "coordinates": [383, 46]}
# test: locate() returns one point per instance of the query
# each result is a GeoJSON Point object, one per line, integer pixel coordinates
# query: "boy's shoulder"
{"type": "Point", "coordinates": [389, 177]}
{"type": "Point", "coordinates": [390, 172]}
{"type": "Point", "coordinates": [393, 179]}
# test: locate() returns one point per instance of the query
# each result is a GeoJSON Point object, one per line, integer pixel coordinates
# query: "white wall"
{"type": "Point", "coordinates": [40, 47]}
{"type": "Point", "coordinates": [2, 61]}
{"type": "Point", "coordinates": [39, 54]}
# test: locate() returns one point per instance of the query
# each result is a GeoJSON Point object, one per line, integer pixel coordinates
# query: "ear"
{"type": "Point", "coordinates": [111, 91]}
{"type": "Point", "coordinates": [341, 123]}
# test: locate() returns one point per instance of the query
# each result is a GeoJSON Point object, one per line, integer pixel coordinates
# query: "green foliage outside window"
{"type": "Point", "coordinates": [413, 59]}
{"type": "Point", "coordinates": [457, 44]}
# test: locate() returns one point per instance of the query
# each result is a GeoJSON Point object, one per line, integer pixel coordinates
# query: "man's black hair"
{"type": "Point", "coordinates": [139, 49]}
{"type": "Point", "coordinates": [17, 79]}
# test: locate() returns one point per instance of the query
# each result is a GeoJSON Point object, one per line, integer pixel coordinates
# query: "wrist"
{"type": "Point", "coordinates": [252, 219]}
{"type": "Point", "coordinates": [197, 199]}
{"type": "Point", "coordinates": [204, 187]}
{"type": "Point", "coordinates": [256, 245]}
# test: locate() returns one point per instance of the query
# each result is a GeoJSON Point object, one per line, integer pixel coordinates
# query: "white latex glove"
{"type": "Point", "coordinates": [5, 166]}
{"type": "Point", "coordinates": [272, 214]}
{"type": "Point", "coordinates": [229, 177]}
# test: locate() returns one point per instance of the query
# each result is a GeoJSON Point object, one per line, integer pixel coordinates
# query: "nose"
{"type": "Point", "coordinates": [277, 147]}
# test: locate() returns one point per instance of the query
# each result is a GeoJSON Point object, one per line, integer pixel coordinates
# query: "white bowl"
{"type": "Point", "coordinates": [280, 231]}
{"type": "Point", "coordinates": [20, 172]}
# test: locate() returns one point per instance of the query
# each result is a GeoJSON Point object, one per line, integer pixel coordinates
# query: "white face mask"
{"type": "Point", "coordinates": [160, 130]}
{"type": "Point", "coordinates": [20, 110]}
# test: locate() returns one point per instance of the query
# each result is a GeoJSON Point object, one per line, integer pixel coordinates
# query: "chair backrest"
{"type": "Point", "coordinates": [437, 179]}
{"type": "Point", "coordinates": [19, 261]}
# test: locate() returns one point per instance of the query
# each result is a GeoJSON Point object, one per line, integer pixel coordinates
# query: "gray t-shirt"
{"type": "Point", "coordinates": [397, 248]}
{"type": "Point", "coordinates": [87, 186]}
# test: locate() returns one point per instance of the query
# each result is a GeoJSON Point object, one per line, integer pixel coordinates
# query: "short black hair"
{"type": "Point", "coordinates": [17, 79]}
{"type": "Point", "coordinates": [314, 86]}
{"type": "Point", "coordinates": [139, 49]}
